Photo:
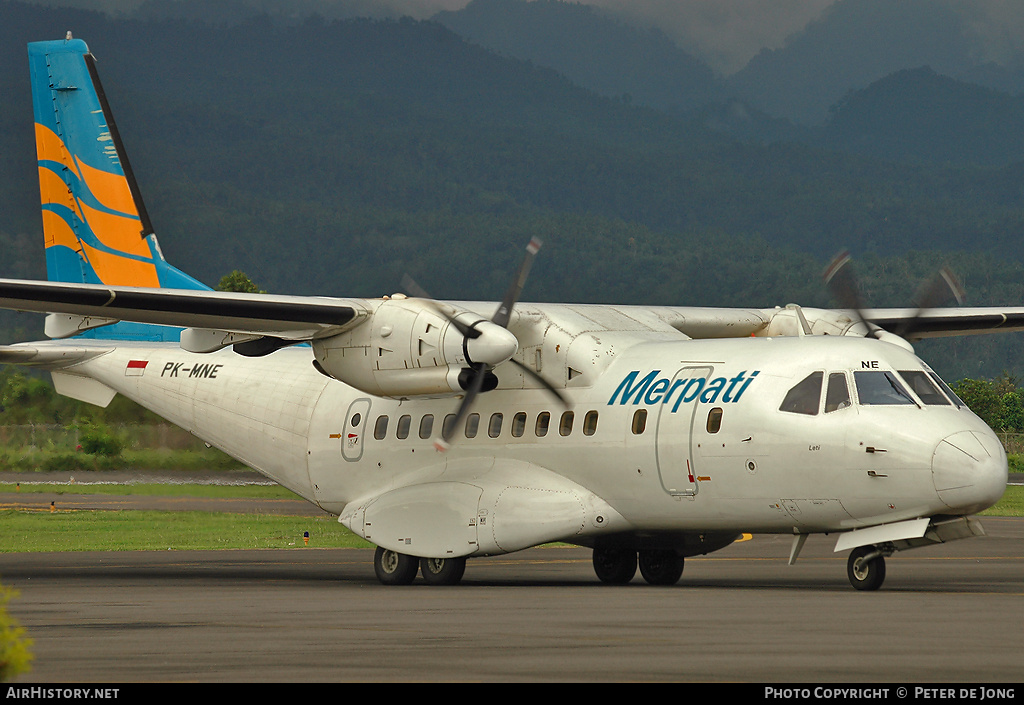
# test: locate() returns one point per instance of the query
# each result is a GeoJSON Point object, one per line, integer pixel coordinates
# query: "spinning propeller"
{"type": "Point", "coordinates": [485, 347]}
{"type": "Point", "coordinates": [842, 282]}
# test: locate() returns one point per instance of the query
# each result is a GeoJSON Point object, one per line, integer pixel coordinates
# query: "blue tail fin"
{"type": "Point", "coordinates": [95, 224]}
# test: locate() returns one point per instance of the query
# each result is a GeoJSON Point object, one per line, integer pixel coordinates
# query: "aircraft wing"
{"type": "Point", "coordinates": [84, 306]}
{"type": "Point", "coordinates": [945, 322]}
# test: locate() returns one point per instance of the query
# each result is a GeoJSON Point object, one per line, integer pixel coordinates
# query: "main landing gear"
{"type": "Point", "coordinates": [394, 568]}
{"type": "Point", "coordinates": [617, 566]}
{"type": "Point", "coordinates": [866, 568]}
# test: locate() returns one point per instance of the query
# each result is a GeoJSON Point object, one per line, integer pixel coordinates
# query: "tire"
{"type": "Point", "coordinates": [661, 567]}
{"type": "Point", "coordinates": [865, 575]}
{"type": "Point", "coordinates": [615, 566]}
{"type": "Point", "coordinates": [442, 571]}
{"type": "Point", "coordinates": [393, 568]}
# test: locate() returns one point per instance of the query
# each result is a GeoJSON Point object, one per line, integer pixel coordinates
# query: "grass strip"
{"type": "Point", "coordinates": [131, 530]}
{"type": "Point", "coordinates": [140, 530]}
{"type": "Point", "coordinates": [1011, 505]}
{"type": "Point", "coordinates": [249, 491]}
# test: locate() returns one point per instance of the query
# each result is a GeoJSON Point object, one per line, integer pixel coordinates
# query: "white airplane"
{"type": "Point", "coordinates": [445, 431]}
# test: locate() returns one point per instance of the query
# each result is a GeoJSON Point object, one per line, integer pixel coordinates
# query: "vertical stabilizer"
{"type": "Point", "coordinates": [95, 225]}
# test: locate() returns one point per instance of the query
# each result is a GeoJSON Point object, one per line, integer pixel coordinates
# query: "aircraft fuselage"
{"type": "Point", "coordinates": [674, 436]}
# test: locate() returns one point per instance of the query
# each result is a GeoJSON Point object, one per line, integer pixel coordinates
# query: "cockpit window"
{"type": "Point", "coordinates": [805, 396]}
{"type": "Point", "coordinates": [837, 394]}
{"type": "Point", "coordinates": [880, 387]}
{"type": "Point", "coordinates": [922, 385]}
{"type": "Point", "coordinates": [945, 387]}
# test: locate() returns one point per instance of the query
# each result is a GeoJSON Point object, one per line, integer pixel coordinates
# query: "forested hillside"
{"type": "Point", "coordinates": [333, 157]}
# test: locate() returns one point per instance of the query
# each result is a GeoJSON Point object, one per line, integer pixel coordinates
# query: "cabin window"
{"type": "Point", "coordinates": [472, 425]}
{"type": "Point", "coordinates": [880, 387]}
{"type": "Point", "coordinates": [519, 425]}
{"type": "Point", "coordinates": [543, 422]}
{"type": "Point", "coordinates": [426, 426]}
{"type": "Point", "coordinates": [565, 423]}
{"type": "Point", "coordinates": [805, 396]}
{"type": "Point", "coordinates": [448, 425]}
{"type": "Point", "coordinates": [590, 423]}
{"type": "Point", "coordinates": [404, 424]}
{"type": "Point", "coordinates": [380, 429]}
{"type": "Point", "coordinates": [494, 427]}
{"type": "Point", "coordinates": [837, 395]}
{"type": "Point", "coordinates": [714, 424]}
{"type": "Point", "coordinates": [639, 421]}
{"type": "Point", "coordinates": [921, 384]}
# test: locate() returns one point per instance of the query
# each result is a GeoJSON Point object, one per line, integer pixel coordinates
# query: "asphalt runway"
{"type": "Point", "coordinates": [950, 613]}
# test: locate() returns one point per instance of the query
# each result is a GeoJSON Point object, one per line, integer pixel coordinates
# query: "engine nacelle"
{"type": "Point", "coordinates": [793, 319]}
{"type": "Point", "coordinates": [409, 348]}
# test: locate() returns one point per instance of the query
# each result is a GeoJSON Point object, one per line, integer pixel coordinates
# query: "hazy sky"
{"type": "Point", "coordinates": [724, 33]}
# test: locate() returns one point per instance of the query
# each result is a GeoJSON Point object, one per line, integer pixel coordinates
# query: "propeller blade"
{"type": "Point", "coordinates": [842, 282]}
{"type": "Point", "coordinates": [943, 287]}
{"type": "Point", "coordinates": [504, 312]}
{"type": "Point", "coordinates": [543, 382]}
{"type": "Point", "coordinates": [475, 385]}
{"type": "Point", "coordinates": [840, 279]}
{"type": "Point", "coordinates": [419, 292]}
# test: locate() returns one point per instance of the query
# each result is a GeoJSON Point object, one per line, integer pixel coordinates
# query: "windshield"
{"type": "Point", "coordinates": [880, 387]}
{"type": "Point", "coordinates": [945, 387]}
{"type": "Point", "coordinates": [923, 386]}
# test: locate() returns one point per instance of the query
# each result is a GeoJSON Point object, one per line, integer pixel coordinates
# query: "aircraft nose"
{"type": "Point", "coordinates": [969, 471]}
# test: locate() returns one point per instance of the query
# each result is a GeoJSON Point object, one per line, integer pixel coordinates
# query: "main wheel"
{"type": "Point", "coordinates": [442, 571]}
{"type": "Point", "coordinates": [614, 565]}
{"type": "Point", "coordinates": [865, 574]}
{"type": "Point", "coordinates": [661, 567]}
{"type": "Point", "coordinates": [394, 568]}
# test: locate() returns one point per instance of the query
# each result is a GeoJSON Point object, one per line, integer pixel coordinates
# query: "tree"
{"type": "Point", "coordinates": [15, 656]}
{"type": "Point", "coordinates": [238, 281]}
{"type": "Point", "coordinates": [981, 397]}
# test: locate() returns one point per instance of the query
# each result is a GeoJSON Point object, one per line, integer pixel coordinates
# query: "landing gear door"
{"type": "Point", "coordinates": [675, 431]}
{"type": "Point", "coordinates": [352, 436]}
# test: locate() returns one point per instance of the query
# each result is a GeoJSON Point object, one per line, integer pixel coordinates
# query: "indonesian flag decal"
{"type": "Point", "coordinates": [135, 368]}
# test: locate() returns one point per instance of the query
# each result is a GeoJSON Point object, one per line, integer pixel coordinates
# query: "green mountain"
{"type": "Point", "coordinates": [332, 157]}
{"type": "Point", "coordinates": [857, 42]}
{"type": "Point", "coordinates": [920, 116]}
{"type": "Point", "coordinates": [591, 48]}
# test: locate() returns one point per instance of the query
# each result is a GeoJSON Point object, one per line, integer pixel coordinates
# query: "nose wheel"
{"type": "Point", "coordinates": [866, 568]}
